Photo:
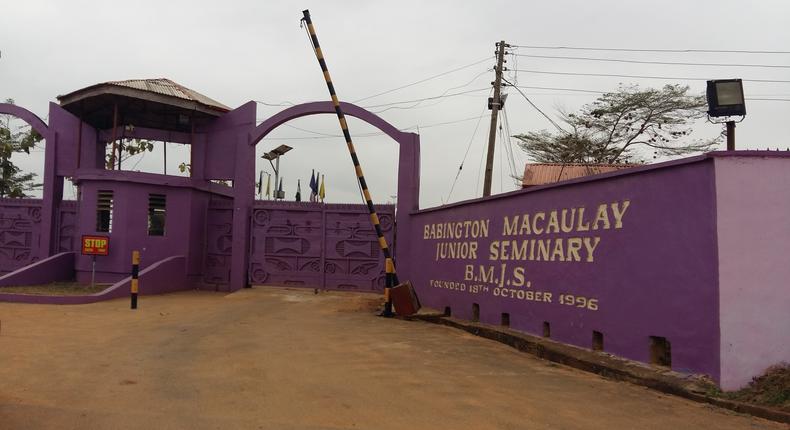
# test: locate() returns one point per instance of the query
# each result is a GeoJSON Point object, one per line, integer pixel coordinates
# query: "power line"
{"type": "Point", "coordinates": [468, 146]}
{"type": "Point", "coordinates": [715, 51]}
{"type": "Point", "coordinates": [321, 135]}
{"type": "Point", "coordinates": [534, 106]}
{"type": "Point", "coordinates": [284, 103]}
{"type": "Point", "coordinates": [670, 63]}
{"type": "Point", "coordinates": [421, 100]}
{"type": "Point", "coordinates": [423, 80]}
{"type": "Point", "coordinates": [546, 72]}
{"type": "Point", "coordinates": [560, 89]}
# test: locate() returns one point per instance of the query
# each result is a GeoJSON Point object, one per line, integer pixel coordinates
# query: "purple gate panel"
{"type": "Point", "coordinates": [317, 245]}
{"type": "Point", "coordinates": [628, 259]}
{"type": "Point", "coordinates": [353, 258]}
{"type": "Point", "coordinates": [20, 231]}
{"type": "Point", "coordinates": [67, 227]}
{"type": "Point", "coordinates": [286, 244]}
{"type": "Point", "coordinates": [219, 238]}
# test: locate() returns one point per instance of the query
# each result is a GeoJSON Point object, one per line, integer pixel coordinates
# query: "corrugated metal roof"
{"type": "Point", "coordinates": [549, 173]}
{"type": "Point", "coordinates": [169, 88]}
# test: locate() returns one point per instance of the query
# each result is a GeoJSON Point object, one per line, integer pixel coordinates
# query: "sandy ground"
{"type": "Point", "coordinates": [288, 359]}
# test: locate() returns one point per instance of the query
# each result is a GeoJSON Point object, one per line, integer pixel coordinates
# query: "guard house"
{"type": "Point", "coordinates": [160, 215]}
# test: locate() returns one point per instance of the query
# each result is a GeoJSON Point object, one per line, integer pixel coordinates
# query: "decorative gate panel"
{"type": "Point", "coordinates": [353, 258]}
{"type": "Point", "coordinates": [67, 227]}
{"type": "Point", "coordinates": [20, 231]}
{"type": "Point", "coordinates": [317, 245]}
{"type": "Point", "coordinates": [219, 238]}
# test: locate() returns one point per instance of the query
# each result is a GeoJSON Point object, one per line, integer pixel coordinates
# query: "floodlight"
{"type": "Point", "coordinates": [725, 98]}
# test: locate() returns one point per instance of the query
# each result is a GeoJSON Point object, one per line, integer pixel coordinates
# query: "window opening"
{"type": "Point", "coordinates": [157, 209]}
{"type": "Point", "coordinates": [104, 202]}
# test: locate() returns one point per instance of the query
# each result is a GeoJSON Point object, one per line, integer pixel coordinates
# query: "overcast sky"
{"type": "Point", "coordinates": [236, 51]}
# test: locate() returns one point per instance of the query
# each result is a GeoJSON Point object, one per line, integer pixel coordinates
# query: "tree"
{"type": "Point", "coordinates": [129, 146]}
{"type": "Point", "coordinates": [612, 128]}
{"type": "Point", "coordinates": [14, 183]}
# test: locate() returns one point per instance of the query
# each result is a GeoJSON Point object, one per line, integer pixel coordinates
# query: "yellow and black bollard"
{"type": "Point", "coordinates": [135, 273]}
{"type": "Point", "coordinates": [391, 277]}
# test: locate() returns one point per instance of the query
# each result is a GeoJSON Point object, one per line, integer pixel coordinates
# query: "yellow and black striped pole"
{"type": "Point", "coordinates": [135, 273]}
{"type": "Point", "coordinates": [391, 277]}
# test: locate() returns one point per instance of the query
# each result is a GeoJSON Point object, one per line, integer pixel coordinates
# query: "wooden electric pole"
{"type": "Point", "coordinates": [496, 104]}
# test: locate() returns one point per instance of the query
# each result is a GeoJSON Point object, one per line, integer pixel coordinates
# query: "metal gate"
{"type": "Point", "coordinates": [330, 246]}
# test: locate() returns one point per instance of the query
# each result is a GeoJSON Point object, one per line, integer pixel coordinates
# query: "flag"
{"type": "Point", "coordinates": [260, 184]}
{"type": "Point", "coordinates": [322, 190]}
{"type": "Point", "coordinates": [298, 190]}
{"type": "Point", "coordinates": [268, 186]}
{"type": "Point", "coordinates": [313, 187]}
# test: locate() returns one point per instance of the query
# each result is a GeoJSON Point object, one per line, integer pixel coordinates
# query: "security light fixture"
{"type": "Point", "coordinates": [725, 98]}
{"type": "Point", "coordinates": [276, 152]}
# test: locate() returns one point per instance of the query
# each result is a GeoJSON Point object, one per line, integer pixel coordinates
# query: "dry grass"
{"type": "Point", "coordinates": [770, 389]}
{"type": "Point", "coordinates": [55, 289]}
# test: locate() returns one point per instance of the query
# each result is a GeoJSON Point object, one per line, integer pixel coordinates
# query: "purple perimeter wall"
{"type": "Point", "coordinates": [628, 255]}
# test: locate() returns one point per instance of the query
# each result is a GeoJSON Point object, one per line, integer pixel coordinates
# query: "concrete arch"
{"type": "Point", "coordinates": [408, 177]}
{"type": "Point", "coordinates": [314, 108]}
{"type": "Point", "coordinates": [25, 115]}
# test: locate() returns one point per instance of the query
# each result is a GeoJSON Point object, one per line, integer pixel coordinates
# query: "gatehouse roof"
{"type": "Point", "coordinates": [156, 103]}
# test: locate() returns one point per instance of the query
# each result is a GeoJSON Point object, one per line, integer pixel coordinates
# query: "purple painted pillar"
{"type": "Point", "coordinates": [408, 199]}
{"type": "Point", "coordinates": [229, 155]}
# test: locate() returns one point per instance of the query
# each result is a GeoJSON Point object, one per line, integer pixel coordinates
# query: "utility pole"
{"type": "Point", "coordinates": [496, 104]}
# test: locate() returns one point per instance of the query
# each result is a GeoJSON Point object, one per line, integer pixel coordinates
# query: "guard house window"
{"type": "Point", "coordinates": [157, 209]}
{"type": "Point", "coordinates": [104, 211]}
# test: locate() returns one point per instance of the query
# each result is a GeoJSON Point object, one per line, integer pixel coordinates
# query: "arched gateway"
{"type": "Point", "coordinates": [222, 145]}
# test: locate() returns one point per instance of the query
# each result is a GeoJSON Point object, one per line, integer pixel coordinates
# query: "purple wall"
{"type": "Point", "coordinates": [753, 208]}
{"type": "Point", "coordinates": [20, 232]}
{"type": "Point", "coordinates": [647, 267]}
{"type": "Point", "coordinates": [59, 267]}
{"type": "Point", "coordinates": [165, 276]}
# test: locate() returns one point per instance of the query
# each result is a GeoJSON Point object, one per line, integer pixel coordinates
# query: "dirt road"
{"type": "Point", "coordinates": [288, 359]}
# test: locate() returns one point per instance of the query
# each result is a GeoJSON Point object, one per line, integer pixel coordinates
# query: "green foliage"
{"type": "Point", "coordinates": [13, 182]}
{"type": "Point", "coordinates": [612, 128]}
{"type": "Point", "coordinates": [130, 147]}
{"type": "Point", "coordinates": [185, 167]}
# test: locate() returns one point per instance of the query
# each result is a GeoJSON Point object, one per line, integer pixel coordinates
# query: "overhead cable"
{"type": "Point", "coordinates": [546, 72]}
{"type": "Point", "coordinates": [715, 51]}
{"type": "Point", "coordinates": [669, 63]}
{"type": "Point", "coordinates": [424, 80]}
{"type": "Point", "coordinates": [535, 106]}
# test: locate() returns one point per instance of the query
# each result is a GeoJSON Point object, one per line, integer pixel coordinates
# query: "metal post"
{"type": "Point", "coordinates": [114, 129]}
{"type": "Point", "coordinates": [93, 272]}
{"type": "Point", "coordinates": [135, 273]}
{"type": "Point", "coordinates": [374, 218]}
{"type": "Point", "coordinates": [276, 176]}
{"type": "Point", "coordinates": [495, 106]}
{"type": "Point", "coordinates": [730, 135]}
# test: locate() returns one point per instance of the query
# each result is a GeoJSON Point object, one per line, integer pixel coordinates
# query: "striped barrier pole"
{"type": "Point", "coordinates": [391, 276]}
{"type": "Point", "coordinates": [135, 274]}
